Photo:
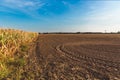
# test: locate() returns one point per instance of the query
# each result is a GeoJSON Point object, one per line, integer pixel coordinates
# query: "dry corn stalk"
{"type": "Point", "coordinates": [10, 40]}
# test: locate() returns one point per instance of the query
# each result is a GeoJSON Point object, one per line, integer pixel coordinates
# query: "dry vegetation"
{"type": "Point", "coordinates": [13, 52]}
{"type": "Point", "coordinates": [79, 56]}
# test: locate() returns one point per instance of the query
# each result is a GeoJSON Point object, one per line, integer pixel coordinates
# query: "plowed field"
{"type": "Point", "coordinates": [79, 56]}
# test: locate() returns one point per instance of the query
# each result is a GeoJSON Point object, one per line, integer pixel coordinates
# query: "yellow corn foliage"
{"type": "Point", "coordinates": [10, 42]}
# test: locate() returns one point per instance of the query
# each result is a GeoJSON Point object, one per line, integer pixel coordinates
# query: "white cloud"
{"type": "Point", "coordinates": [106, 15]}
{"type": "Point", "coordinates": [28, 7]}
{"type": "Point", "coordinates": [23, 3]}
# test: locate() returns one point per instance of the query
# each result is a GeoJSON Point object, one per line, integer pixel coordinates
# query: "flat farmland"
{"type": "Point", "coordinates": [79, 56]}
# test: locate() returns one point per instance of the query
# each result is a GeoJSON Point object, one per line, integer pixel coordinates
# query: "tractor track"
{"type": "Point", "coordinates": [91, 62]}
{"type": "Point", "coordinates": [79, 57]}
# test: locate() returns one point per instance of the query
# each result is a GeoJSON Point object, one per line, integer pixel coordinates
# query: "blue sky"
{"type": "Point", "coordinates": [61, 15]}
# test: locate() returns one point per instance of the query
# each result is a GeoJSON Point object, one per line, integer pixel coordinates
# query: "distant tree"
{"type": "Point", "coordinates": [118, 32]}
{"type": "Point", "coordinates": [77, 32]}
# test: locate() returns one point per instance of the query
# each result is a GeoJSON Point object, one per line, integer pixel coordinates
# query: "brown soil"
{"type": "Point", "coordinates": [79, 56]}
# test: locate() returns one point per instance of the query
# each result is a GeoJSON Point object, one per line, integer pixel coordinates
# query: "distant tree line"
{"type": "Point", "coordinates": [80, 32]}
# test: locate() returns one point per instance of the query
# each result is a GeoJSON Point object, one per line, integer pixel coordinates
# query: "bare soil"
{"type": "Point", "coordinates": [79, 56]}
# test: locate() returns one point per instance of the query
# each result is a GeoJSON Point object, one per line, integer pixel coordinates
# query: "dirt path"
{"type": "Point", "coordinates": [79, 57]}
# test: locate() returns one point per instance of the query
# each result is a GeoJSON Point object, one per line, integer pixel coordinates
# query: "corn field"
{"type": "Point", "coordinates": [12, 43]}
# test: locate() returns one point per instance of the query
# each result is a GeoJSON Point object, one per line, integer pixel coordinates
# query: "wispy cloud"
{"type": "Point", "coordinates": [107, 12]}
{"type": "Point", "coordinates": [28, 7]}
{"type": "Point", "coordinates": [100, 17]}
{"type": "Point", "coordinates": [23, 3]}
